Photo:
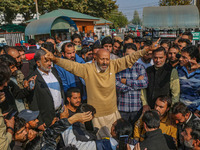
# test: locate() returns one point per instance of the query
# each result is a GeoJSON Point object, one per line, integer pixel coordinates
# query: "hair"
{"type": "Point", "coordinates": [151, 119]}
{"type": "Point", "coordinates": [192, 51]}
{"type": "Point", "coordinates": [49, 46]}
{"type": "Point", "coordinates": [95, 46]}
{"type": "Point", "coordinates": [38, 55]}
{"type": "Point", "coordinates": [9, 60]}
{"type": "Point", "coordinates": [160, 49]}
{"type": "Point", "coordinates": [74, 36]}
{"type": "Point", "coordinates": [129, 36]}
{"type": "Point", "coordinates": [35, 144]}
{"type": "Point", "coordinates": [123, 127]}
{"type": "Point", "coordinates": [19, 123]}
{"type": "Point", "coordinates": [19, 48]}
{"type": "Point", "coordinates": [184, 41]}
{"type": "Point", "coordinates": [117, 41]}
{"type": "Point", "coordinates": [189, 34]}
{"type": "Point", "coordinates": [129, 46]}
{"type": "Point", "coordinates": [85, 108]}
{"type": "Point", "coordinates": [10, 48]}
{"type": "Point", "coordinates": [51, 37]}
{"type": "Point", "coordinates": [137, 40]}
{"type": "Point", "coordinates": [147, 43]}
{"type": "Point", "coordinates": [72, 90]}
{"type": "Point", "coordinates": [106, 40]}
{"type": "Point", "coordinates": [168, 42]}
{"type": "Point", "coordinates": [95, 36]}
{"type": "Point", "coordinates": [196, 129]}
{"type": "Point", "coordinates": [167, 99]}
{"type": "Point", "coordinates": [5, 73]}
{"type": "Point", "coordinates": [175, 46]}
{"type": "Point", "coordinates": [31, 42]}
{"type": "Point", "coordinates": [66, 45]}
{"type": "Point", "coordinates": [85, 50]}
{"type": "Point", "coordinates": [180, 107]}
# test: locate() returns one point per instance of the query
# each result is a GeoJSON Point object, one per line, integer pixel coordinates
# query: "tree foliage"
{"type": "Point", "coordinates": [118, 19]}
{"type": "Point", "coordinates": [96, 8]}
{"type": "Point", "coordinates": [136, 18]}
{"type": "Point", "coordinates": [174, 2]}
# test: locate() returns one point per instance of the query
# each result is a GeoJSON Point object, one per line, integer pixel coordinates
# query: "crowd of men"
{"type": "Point", "coordinates": [100, 93]}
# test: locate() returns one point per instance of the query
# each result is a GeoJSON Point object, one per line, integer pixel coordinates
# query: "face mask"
{"type": "Point", "coordinates": [188, 144]}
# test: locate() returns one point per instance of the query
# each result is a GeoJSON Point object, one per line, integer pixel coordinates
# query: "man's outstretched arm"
{"type": "Point", "coordinates": [71, 66]}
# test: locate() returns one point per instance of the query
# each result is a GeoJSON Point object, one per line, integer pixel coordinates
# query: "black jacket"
{"type": "Point", "coordinates": [154, 140]}
{"type": "Point", "coordinates": [159, 83]}
{"type": "Point", "coordinates": [42, 100]}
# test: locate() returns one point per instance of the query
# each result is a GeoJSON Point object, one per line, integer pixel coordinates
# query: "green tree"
{"type": "Point", "coordinates": [8, 9]}
{"type": "Point", "coordinates": [136, 18]}
{"type": "Point", "coordinates": [174, 2]}
{"type": "Point", "coordinates": [118, 19]}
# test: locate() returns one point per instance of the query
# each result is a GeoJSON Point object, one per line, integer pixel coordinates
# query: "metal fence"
{"type": "Point", "coordinates": [13, 37]}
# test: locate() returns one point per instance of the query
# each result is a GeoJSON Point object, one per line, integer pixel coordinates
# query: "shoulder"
{"type": "Point", "coordinates": [79, 59]}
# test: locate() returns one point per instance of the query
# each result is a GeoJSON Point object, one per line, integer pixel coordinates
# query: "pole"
{"type": "Point", "coordinates": [36, 6]}
{"type": "Point", "coordinates": [194, 2]}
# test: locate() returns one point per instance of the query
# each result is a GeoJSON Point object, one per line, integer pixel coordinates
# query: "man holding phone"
{"type": "Point", "coordinates": [189, 78]}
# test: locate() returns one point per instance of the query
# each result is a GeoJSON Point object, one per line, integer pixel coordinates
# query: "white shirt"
{"type": "Point", "coordinates": [53, 86]}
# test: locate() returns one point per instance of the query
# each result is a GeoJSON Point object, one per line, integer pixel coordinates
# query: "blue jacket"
{"type": "Point", "coordinates": [68, 79]}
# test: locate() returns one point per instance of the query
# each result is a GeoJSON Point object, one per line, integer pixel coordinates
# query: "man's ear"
{"type": "Point", "coordinates": [68, 99]}
{"type": "Point", "coordinates": [38, 63]}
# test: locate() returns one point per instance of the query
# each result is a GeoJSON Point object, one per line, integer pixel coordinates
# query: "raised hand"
{"type": "Point", "coordinates": [194, 64]}
{"type": "Point", "coordinates": [49, 55]}
{"type": "Point", "coordinates": [155, 45]}
{"type": "Point", "coordinates": [81, 117]}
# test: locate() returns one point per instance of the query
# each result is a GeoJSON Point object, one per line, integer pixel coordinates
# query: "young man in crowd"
{"type": "Point", "coordinates": [173, 55]}
{"type": "Point", "coordinates": [69, 79]}
{"type": "Point", "coordinates": [182, 117]}
{"type": "Point", "coordinates": [187, 35]}
{"type": "Point", "coordinates": [72, 103]}
{"type": "Point", "coordinates": [117, 48]}
{"type": "Point", "coordinates": [166, 44]}
{"type": "Point", "coordinates": [129, 83]}
{"type": "Point", "coordinates": [183, 43]}
{"type": "Point", "coordinates": [76, 39]}
{"type": "Point", "coordinates": [146, 60]}
{"type": "Point", "coordinates": [189, 78]}
{"type": "Point", "coordinates": [86, 54]}
{"type": "Point", "coordinates": [107, 43]}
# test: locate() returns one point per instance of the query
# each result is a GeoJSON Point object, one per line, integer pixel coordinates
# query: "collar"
{"type": "Point", "coordinates": [189, 118]}
{"type": "Point", "coordinates": [43, 73]}
{"type": "Point", "coordinates": [189, 74]}
{"type": "Point", "coordinates": [163, 120]}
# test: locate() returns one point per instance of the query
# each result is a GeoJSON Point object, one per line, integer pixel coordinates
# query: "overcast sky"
{"type": "Point", "coordinates": [129, 6]}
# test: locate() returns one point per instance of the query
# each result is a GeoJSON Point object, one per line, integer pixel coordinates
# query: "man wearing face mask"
{"type": "Point", "coordinates": [182, 117]}
{"type": "Point", "coordinates": [68, 79]}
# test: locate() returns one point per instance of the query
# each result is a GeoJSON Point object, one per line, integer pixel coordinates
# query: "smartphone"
{"type": "Point", "coordinates": [123, 140]}
{"type": "Point", "coordinates": [11, 113]}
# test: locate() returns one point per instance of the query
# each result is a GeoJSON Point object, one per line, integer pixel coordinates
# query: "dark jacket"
{"type": "Point", "coordinates": [42, 100]}
{"type": "Point", "coordinates": [180, 128]}
{"type": "Point", "coordinates": [159, 83]}
{"type": "Point", "coordinates": [154, 140]}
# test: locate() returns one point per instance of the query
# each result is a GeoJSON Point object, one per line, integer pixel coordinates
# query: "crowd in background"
{"type": "Point", "coordinates": [103, 93]}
